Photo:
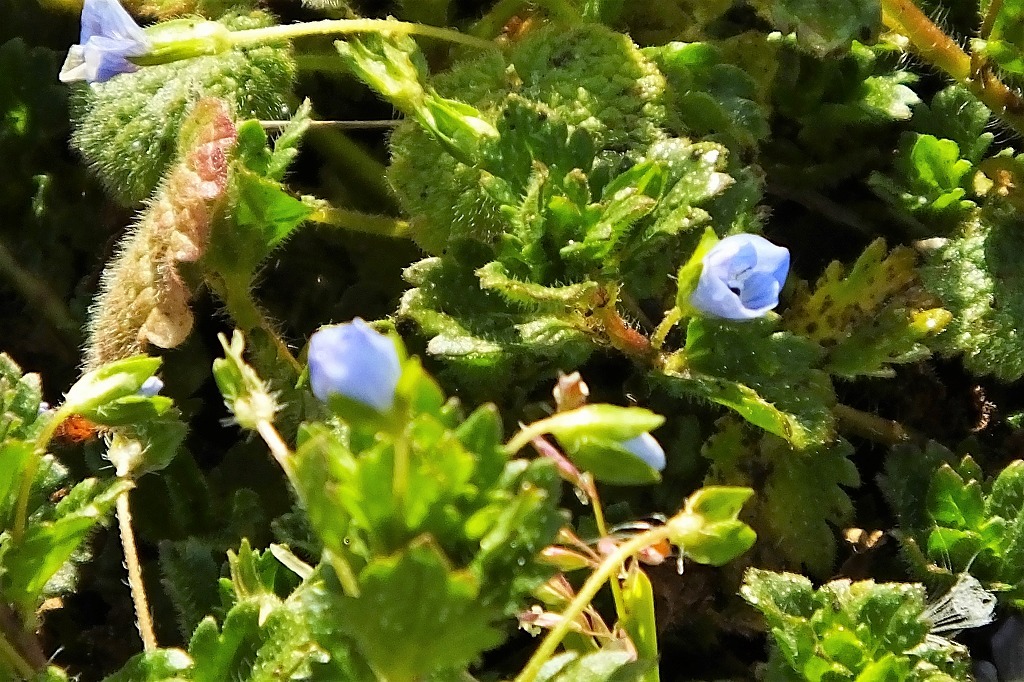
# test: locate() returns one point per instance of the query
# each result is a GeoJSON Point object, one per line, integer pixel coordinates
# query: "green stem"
{"type": "Point", "coordinates": [602, 529]}
{"type": "Point", "coordinates": [248, 316]}
{"type": "Point", "coordinates": [15, 660]}
{"type": "Point", "coordinates": [994, 7]}
{"type": "Point", "coordinates": [283, 456]}
{"type": "Point", "coordinates": [561, 9]}
{"type": "Point", "coordinates": [671, 319]}
{"type": "Point", "coordinates": [357, 221]}
{"type": "Point", "coordinates": [871, 426]}
{"type": "Point", "coordinates": [28, 476]}
{"type": "Point", "coordinates": [259, 36]}
{"type": "Point", "coordinates": [933, 45]}
{"type": "Point", "coordinates": [608, 568]}
{"type": "Point", "coordinates": [363, 174]}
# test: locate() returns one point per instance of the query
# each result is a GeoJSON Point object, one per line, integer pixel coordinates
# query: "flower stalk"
{"type": "Point", "coordinates": [937, 48]}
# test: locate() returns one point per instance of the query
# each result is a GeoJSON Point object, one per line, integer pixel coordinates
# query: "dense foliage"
{"type": "Point", "coordinates": [740, 274]}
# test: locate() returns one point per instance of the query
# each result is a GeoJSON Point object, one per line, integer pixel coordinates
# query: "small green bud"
{"type": "Point", "coordinates": [106, 384]}
{"type": "Point", "coordinates": [245, 394]}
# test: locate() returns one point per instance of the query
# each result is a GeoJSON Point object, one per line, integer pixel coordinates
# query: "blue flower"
{"type": "Point", "coordinates": [354, 361]}
{"type": "Point", "coordinates": [648, 449]}
{"type": "Point", "coordinates": [741, 278]}
{"type": "Point", "coordinates": [150, 387]}
{"type": "Point", "coordinates": [109, 36]}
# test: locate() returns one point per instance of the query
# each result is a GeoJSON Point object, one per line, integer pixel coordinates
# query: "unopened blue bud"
{"type": "Point", "coordinates": [647, 448]}
{"type": "Point", "coordinates": [354, 361]}
{"type": "Point", "coordinates": [109, 37]}
{"type": "Point", "coordinates": [741, 278]}
{"type": "Point", "coordinates": [150, 387]}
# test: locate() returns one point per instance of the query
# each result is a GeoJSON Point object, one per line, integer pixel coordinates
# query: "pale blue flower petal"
{"type": "Point", "coordinates": [741, 278]}
{"type": "Point", "coordinates": [150, 387]}
{"type": "Point", "coordinates": [109, 36]}
{"type": "Point", "coordinates": [647, 448]}
{"type": "Point", "coordinates": [354, 361]}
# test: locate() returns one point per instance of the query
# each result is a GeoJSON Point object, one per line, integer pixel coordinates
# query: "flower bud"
{"type": "Point", "coordinates": [354, 361]}
{"type": "Point", "coordinates": [648, 449]}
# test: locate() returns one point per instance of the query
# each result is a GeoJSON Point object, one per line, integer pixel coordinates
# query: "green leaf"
{"type": "Point", "coordinates": [20, 396]}
{"type": "Point", "coordinates": [768, 377]}
{"type": "Point", "coordinates": [109, 383]}
{"type": "Point", "coordinates": [600, 666]}
{"type": "Point", "coordinates": [639, 620]}
{"type": "Point", "coordinates": [30, 561]}
{"type": "Point", "coordinates": [1005, 42]}
{"type": "Point", "coordinates": [930, 179]}
{"type": "Point", "coordinates": [824, 26]}
{"type": "Point", "coordinates": [792, 535]}
{"type": "Point", "coordinates": [162, 665]}
{"type": "Point", "coordinates": [262, 640]}
{"type": "Point", "coordinates": [127, 128]}
{"type": "Point", "coordinates": [711, 95]}
{"type": "Point", "coordinates": [869, 317]}
{"type": "Point", "coordinates": [956, 114]}
{"type": "Point", "coordinates": [979, 277]}
{"type": "Point", "coordinates": [245, 393]}
{"type": "Point", "coordinates": [850, 630]}
{"type": "Point", "coordinates": [286, 146]}
{"type": "Point", "coordinates": [405, 601]}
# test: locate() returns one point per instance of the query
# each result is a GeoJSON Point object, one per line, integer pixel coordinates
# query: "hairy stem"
{"type": "Point", "coordinates": [872, 427]}
{"type": "Point", "coordinates": [143, 617]}
{"type": "Point", "coordinates": [608, 568]}
{"type": "Point", "coordinates": [238, 300]}
{"type": "Point", "coordinates": [994, 6]}
{"type": "Point", "coordinates": [283, 456]}
{"type": "Point", "coordinates": [933, 45]}
{"type": "Point", "coordinates": [357, 221]}
{"type": "Point", "coordinates": [259, 36]}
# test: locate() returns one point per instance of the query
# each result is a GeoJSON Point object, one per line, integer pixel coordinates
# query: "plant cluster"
{"type": "Point", "coordinates": [741, 274]}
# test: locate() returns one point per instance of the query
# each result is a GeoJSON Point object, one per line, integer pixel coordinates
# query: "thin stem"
{"type": "Point", "coordinates": [602, 529]}
{"type": "Point", "coordinates": [357, 221]}
{"type": "Point", "coordinates": [362, 174]}
{"type": "Point", "coordinates": [28, 476]}
{"type": "Point", "coordinates": [259, 36]}
{"type": "Point", "coordinates": [994, 7]}
{"type": "Point", "coordinates": [375, 124]}
{"type": "Point", "coordinates": [276, 445]}
{"type": "Point", "coordinates": [621, 335]}
{"type": "Point", "coordinates": [871, 426]}
{"type": "Point", "coordinates": [943, 52]}
{"type": "Point", "coordinates": [671, 319]}
{"type": "Point", "coordinates": [609, 567]}
{"type": "Point", "coordinates": [143, 617]}
{"type": "Point", "coordinates": [283, 455]}
{"type": "Point", "coordinates": [15, 660]}
{"type": "Point", "coordinates": [247, 315]}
